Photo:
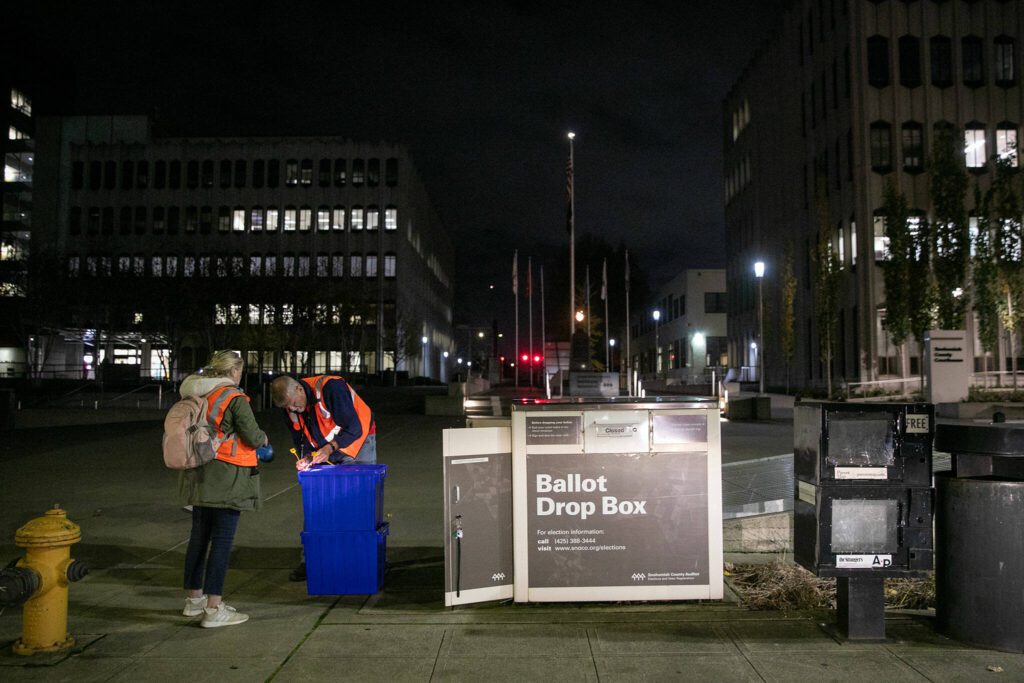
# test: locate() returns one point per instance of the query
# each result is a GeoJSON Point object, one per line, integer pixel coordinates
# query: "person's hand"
{"type": "Point", "coordinates": [321, 455]}
{"type": "Point", "coordinates": [303, 464]}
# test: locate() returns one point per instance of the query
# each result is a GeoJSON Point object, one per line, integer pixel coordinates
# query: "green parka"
{"type": "Point", "coordinates": [219, 484]}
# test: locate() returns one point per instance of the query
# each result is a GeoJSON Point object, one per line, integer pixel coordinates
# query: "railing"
{"type": "Point", "coordinates": [994, 379]}
{"type": "Point", "coordinates": [902, 385]}
{"type": "Point", "coordinates": [138, 401]}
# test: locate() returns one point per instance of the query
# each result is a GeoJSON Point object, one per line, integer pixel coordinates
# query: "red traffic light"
{"type": "Point", "coordinates": [526, 358]}
{"type": "Point", "coordinates": [536, 359]}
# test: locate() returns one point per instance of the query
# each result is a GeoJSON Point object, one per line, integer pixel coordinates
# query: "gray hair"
{"type": "Point", "coordinates": [281, 388]}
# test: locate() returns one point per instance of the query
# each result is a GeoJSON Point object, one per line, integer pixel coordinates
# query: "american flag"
{"type": "Point", "coordinates": [568, 194]}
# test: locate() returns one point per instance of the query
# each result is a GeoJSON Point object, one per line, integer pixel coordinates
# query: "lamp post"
{"type": "Point", "coordinates": [657, 346]}
{"type": "Point", "coordinates": [759, 274]}
{"type": "Point", "coordinates": [423, 354]}
{"type": "Point", "coordinates": [611, 354]}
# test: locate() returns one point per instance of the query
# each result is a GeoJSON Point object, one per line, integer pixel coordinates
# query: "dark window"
{"type": "Point", "coordinates": [173, 220]}
{"type": "Point", "coordinates": [881, 147]}
{"type": "Point", "coordinates": [207, 173]}
{"type": "Point", "coordinates": [373, 172]}
{"type": "Point", "coordinates": [306, 174]}
{"type": "Point", "coordinates": [942, 61]}
{"type": "Point", "coordinates": [191, 219]}
{"type": "Point", "coordinates": [174, 175]}
{"type": "Point", "coordinates": [110, 174]}
{"type": "Point", "coordinates": [258, 172]}
{"type": "Point", "coordinates": [339, 173]}
{"type": "Point", "coordinates": [358, 172]}
{"type": "Point", "coordinates": [1005, 73]}
{"type": "Point", "coordinates": [273, 173]}
{"type": "Point", "coordinates": [324, 174]}
{"type": "Point", "coordinates": [158, 220]}
{"type": "Point", "coordinates": [913, 147]}
{"type": "Point", "coordinates": [142, 174]}
{"type": "Point", "coordinates": [849, 154]}
{"type": "Point", "coordinates": [223, 219]}
{"type": "Point", "coordinates": [92, 226]}
{"type": "Point", "coordinates": [107, 226]}
{"type": "Point", "coordinates": [291, 172]}
{"type": "Point", "coordinates": [140, 220]}
{"type": "Point", "coordinates": [973, 61]}
{"type": "Point", "coordinates": [125, 223]}
{"type": "Point", "coordinates": [160, 175]}
{"type": "Point", "coordinates": [95, 175]}
{"type": "Point", "coordinates": [391, 172]}
{"type": "Point", "coordinates": [225, 173]}
{"type": "Point", "coordinates": [910, 61]}
{"type": "Point", "coordinates": [878, 61]}
{"type": "Point", "coordinates": [75, 220]}
{"type": "Point", "coordinates": [715, 302]}
{"type": "Point", "coordinates": [127, 175]}
{"type": "Point", "coordinates": [77, 175]}
{"type": "Point", "coordinates": [239, 172]}
{"type": "Point", "coordinates": [205, 220]}
{"type": "Point", "coordinates": [192, 174]}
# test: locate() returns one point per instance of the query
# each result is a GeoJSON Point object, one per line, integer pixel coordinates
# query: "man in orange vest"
{"type": "Point", "coordinates": [327, 419]}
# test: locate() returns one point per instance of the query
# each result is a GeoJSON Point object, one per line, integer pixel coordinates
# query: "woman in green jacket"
{"type": "Point", "coordinates": [218, 492]}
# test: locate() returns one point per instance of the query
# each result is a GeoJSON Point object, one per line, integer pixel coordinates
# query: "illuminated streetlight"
{"type": "Point", "coordinates": [759, 274]}
{"type": "Point", "coordinates": [579, 316]}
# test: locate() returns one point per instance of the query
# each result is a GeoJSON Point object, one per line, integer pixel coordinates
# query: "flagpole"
{"type": "Point", "coordinates": [570, 186]}
{"type": "Point", "coordinates": [587, 294]}
{"type": "Point", "coordinates": [529, 298]}
{"type": "Point", "coordinates": [515, 292]}
{"type": "Point", "coordinates": [629, 333]}
{"type": "Point", "coordinates": [604, 295]}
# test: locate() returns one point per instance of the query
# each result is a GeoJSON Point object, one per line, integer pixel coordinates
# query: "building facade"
{"type": "Point", "coordinates": [847, 96]}
{"type": "Point", "coordinates": [309, 254]}
{"type": "Point", "coordinates": [682, 333]}
{"type": "Point", "coordinates": [15, 231]}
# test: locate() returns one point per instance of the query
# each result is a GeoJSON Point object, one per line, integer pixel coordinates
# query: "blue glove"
{"type": "Point", "coordinates": [265, 453]}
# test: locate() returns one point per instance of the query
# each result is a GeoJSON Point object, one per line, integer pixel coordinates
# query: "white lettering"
{"type": "Point", "coordinates": [610, 505]}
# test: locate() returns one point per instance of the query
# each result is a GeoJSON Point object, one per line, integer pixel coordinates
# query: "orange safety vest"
{"type": "Point", "coordinates": [328, 427]}
{"type": "Point", "coordinates": [232, 449]}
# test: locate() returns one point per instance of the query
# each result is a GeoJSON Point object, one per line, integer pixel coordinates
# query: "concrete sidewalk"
{"type": "Point", "coordinates": [126, 615]}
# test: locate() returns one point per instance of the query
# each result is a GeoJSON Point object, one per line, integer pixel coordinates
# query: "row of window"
{"type": "Point", "coordinates": [139, 220]}
{"type": "Point", "coordinates": [940, 48]}
{"type": "Point", "coordinates": [287, 314]}
{"type": "Point", "coordinates": [236, 265]}
{"type": "Point", "coordinates": [238, 173]}
{"type": "Point", "coordinates": [912, 156]}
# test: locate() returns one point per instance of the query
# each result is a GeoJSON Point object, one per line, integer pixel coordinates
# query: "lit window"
{"type": "Point", "coordinates": [254, 314]}
{"type": "Point", "coordinates": [841, 244]}
{"type": "Point", "coordinates": [972, 231]}
{"type": "Point", "coordinates": [138, 266]}
{"type": "Point", "coordinates": [339, 172]}
{"type": "Point", "coordinates": [881, 239]}
{"type": "Point", "coordinates": [268, 314]}
{"type": "Point", "coordinates": [235, 314]}
{"type": "Point", "coordinates": [337, 265]}
{"type": "Point", "coordinates": [913, 147]}
{"type": "Point", "coordinates": [853, 243]}
{"type": "Point", "coordinates": [256, 219]}
{"type": "Point", "coordinates": [372, 218]}
{"type": "Point", "coordinates": [238, 220]}
{"type": "Point", "coordinates": [270, 265]}
{"type": "Point", "coordinates": [287, 314]}
{"type": "Point", "coordinates": [303, 265]}
{"type": "Point", "coordinates": [73, 262]}
{"type": "Point", "coordinates": [389, 265]}
{"type": "Point", "coordinates": [273, 215]}
{"type": "Point", "coordinates": [323, 218]}
{"type": "Point", "coordinates": [237, 266]}
{"type": "Point", "coordinates": [222, 266]}
{"type": "Point", "coordinates": [371, 265]}
{"type": "Point", "coordinates": [220, 314]}
{"type": "Point", "coordinates": [391, 218]}
{"type": "Point", "coordinates": [306, 174]}
{"type": "Point", "coordinates": [1006, 143]}
{"type": "Point", "coordinates": [358, 172]}
{"type": "Point", "coordinates": [171, 266]}
{"type": "Point", "coordinates": [223, 219]}
{"type": "Point", "coordinates": [289, 219]}
{"type": "Point", "coordinates": [288, 266]}
{"type": "Point", "coordinates": [188, 267]}
{"type": "Point", "coordinates": [338, 218]}
{"type": "Point", "coordinates": [291, 173]}
{"type": "Point", "coordinates": [305, 218]}
{"type": "Point", "coordinates": [356, 218]}
{"type": "Point", "coordinates": [204, 266]}
{"type": "Point", "coordinates": [156, 266]}
{"type": "Point", "coordinates": [355, 265]}
{"type": "Point", "coordinates": [914, 223]}
{"type": "Point", "coordinates": [90, 266]}
{"type": "Point", "coordinates": [15, 134]}
{"type": "Point", "coordinates": [21, 102]}
{"type": "Point", "coordinates": [974, 146]}
{"type": "Point", "coordinates": [322, 265]}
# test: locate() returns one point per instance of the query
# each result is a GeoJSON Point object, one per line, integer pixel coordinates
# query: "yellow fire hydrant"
{"type": "Point", "coordinates": [40, 581]}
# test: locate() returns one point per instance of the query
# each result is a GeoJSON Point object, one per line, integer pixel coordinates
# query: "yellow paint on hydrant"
{"type": "Point", "coordinates": [47, 541]}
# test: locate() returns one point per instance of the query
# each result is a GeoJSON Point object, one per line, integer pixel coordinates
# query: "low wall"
{"type": "Point", "coordinates": [771, 533]}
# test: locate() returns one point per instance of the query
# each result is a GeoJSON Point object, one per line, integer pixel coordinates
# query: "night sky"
{"type": "Point", "coordinates": [483, 99]}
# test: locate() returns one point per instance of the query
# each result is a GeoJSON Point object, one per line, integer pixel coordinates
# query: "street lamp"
{"type": "Point", "coordinates": [657, 346]}
{"type": "Point", "coordinates": [611, 345]}
{"type": "Point", "coordinates": [759, 274]}
{"type": "Point", "coordinates": [423, 354]}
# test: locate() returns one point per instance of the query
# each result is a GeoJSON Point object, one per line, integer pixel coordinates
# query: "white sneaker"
{"type": "Point", "coordinates": [194, 606]}
{"type": "Point", "coordinates": [222, 615]}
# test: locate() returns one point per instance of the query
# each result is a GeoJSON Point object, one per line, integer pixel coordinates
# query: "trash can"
{"type": "Point", "coordinates": [979, 560]}
{"type": "Point", "coordinates": [344, 534]}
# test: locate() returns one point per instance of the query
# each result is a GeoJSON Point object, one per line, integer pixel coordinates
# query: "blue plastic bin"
{"type": "Point", "coordinates": [343, 497]}
{"type": "Point", "coordinates": [345, 562]}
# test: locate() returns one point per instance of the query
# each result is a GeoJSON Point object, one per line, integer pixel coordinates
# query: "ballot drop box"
{"type": "Point", "coordinates": [617, 499]}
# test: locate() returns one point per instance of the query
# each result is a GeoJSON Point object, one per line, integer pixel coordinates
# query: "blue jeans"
{"type": "Point", "coordinates": [209, 547]}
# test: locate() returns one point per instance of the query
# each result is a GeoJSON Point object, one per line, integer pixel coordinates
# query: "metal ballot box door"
{"type": "Point", "coordinates": [478, 515]}
{"type": "Point", "coordinates": [617, 500]}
